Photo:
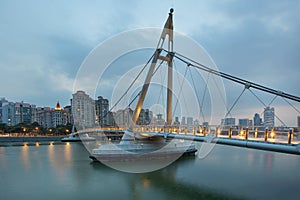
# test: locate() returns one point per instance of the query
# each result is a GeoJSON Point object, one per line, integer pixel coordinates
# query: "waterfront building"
{"type": "Point", "coordinates": [245, 122]}
{"type": "Point", "coordinates": [230, 121]}
{"type": "Point", "coordinates": [196, 122]}
{"type": "Point", "coordinates": [176, 122]}
{"type": "Point", "coordinates": [58, 116]}
{"type": "Point", "coordinates": [122, 117]}
{"type": "Point", "coordinates": [269, 117]}
{"type": "Point", "coordinates": [110, 119]}
{"type": "Point", "coordinates": [189, 123]}
{"type": "Point", "coordinates": [24, 113]}
{"type": "Point", "coordinates": [69, 114]}
{"type": "Point", "coordinates": [145, 117]}
{"type": "Point", "coordinates": [257, 120]}
{"type": "Point", "coordinates": [102, 109]}
{"type": "Point", "coordinates": [148, 116]}
{"type": "Point", "coordinates": [142, 118]}
{"type": "Point", "coordinates": [183, 123]}
{"type": "Point", "coordinates": [160, 120]}
{"type": "Point", "coordinates": [51, 117]}
{"type": "Point", "coordinates": [15, 113]}
{"type": "Point", "coordinates": [205, 124]}
{"type": "Point", "coordinates": [44, 117]}
{"type": "Point", "coordinates": [2, 102]}
{"type": "Point", "coordinates": [8, 110]}
{"type": "Point", "coordinates": [83, 109]}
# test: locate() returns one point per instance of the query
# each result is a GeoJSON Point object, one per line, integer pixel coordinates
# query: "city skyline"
{"type": "Point", "coordinates": [41, 53]}
{"type": "Point", "coordinates": [101, 107]}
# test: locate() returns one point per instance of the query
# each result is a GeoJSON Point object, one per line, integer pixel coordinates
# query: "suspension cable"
{"type": "Point", "coordinates": [233, 78]}
{"type": "Point", "coordinates": [235, 102]}
{"type": "Point", "coordinates": [201, 108]}
{"type": "Point", "coordinates": [162, 80]}
{"type": "Point", "coordinates": [291, 105]}
{"type": "Point", "coordinates": [131, 84]}
{"type": "Point", "coordinates": [128, 90]}
{"type": "Point", "coordinates": [181, 86]}
{"type": "Point", "coordinates": [267, 106]}
{"type": "Point", "coordinates": [273, 100]}
{"type": "Point", "coordinates": [219, 90]}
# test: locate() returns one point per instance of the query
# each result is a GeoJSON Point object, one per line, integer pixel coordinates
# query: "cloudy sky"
{"type": "Point", "coordinates": [43, 43]}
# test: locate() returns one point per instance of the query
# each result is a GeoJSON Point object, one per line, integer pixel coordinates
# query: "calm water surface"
{"type": "Point", "coordinates": [65, 172]}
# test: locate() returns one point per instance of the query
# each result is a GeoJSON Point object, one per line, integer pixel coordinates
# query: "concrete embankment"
{"type": "Point", "coordinates": [30, 141]}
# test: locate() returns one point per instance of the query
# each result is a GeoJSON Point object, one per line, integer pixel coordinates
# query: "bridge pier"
{"type": "Point", "coordinates": [291, 133]}
{"type": "Point", "coordinates": [229, 132]}
{"type": "Point", "coordinates": [218, 129]}
{"type": "Point", "coordinates": [266, 134]}
{"type": "Point", "coordinates": [272, 133]}
{"type": "Point", "coordinates": [256, 132]}
{"type": "Point", "coordinates": [246, 133]}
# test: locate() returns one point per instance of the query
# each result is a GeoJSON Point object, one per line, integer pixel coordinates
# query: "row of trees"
{"type": "Point", "coordinates": [35, 128]}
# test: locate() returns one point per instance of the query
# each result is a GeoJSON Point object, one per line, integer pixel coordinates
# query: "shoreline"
{"type": "Point", "coordinates": [7, 141]}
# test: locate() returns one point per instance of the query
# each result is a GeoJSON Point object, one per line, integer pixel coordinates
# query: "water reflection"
{"type": "Point", "coordinates": [68, 153]}
{"type": "Point", "coordinates": [163, 183]}
{"type": "Point", "coordinates": [25, 156]}
{"type": "Point", "coordinates": [3, 159]}
{"type": "Point", "coordinates": [65, 171]}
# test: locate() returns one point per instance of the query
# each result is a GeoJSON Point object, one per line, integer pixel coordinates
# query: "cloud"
{"type": "Point", "coordinates": [44, 43]}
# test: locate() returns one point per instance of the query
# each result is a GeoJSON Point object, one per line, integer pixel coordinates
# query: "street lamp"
{"type": "Point", "coordinates": [36, 129]}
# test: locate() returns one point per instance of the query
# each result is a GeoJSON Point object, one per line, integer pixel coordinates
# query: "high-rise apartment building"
{"type": "Point", "coordinates": [15, 113]}
{"type": "Point", "coordinates": [183, 122]}
{"type": "Point", "coordinates": [51, 117]}
{"type": "Point", "coordinates": [257, 121]}
{"type": "Point", "coordinates": [228, 121]}
{"type": "Point", "coordinates": [83, 109]}
{"type": "Point", "coordinates": [269, 117]}
{"type": "Point", "coordinates": [176, 122]}
{"type": "Point", "coordinates": [245, 122]}
{"type": "Point", "coordinates": [69, 114]}
{"type": "Point", "coordinates": [43, 117]}
{"type": "Point", "coordinates": [2, 102]}
{"type": "Point", "coordinates": [122, 117]}
{"type": "Point", "coordinates": [145, 117]}
{"type": "Point", "coordinates": [102, 111]}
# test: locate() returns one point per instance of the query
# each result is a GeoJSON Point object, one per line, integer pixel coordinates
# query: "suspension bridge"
{"type": "Point", "coordinates": [281, 138]}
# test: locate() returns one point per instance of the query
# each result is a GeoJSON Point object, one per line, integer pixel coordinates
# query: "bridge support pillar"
{"type": "Point", "coordinates": [273, 133]}
{"type": "Point", "coordinates": [229, 132]}
{"type": "Point", "coordinates": [204, 131]}
{"type": "Point", "coordinates": [217, 131]}
{"type": "Point", "coordinates": [266, 134]}
{"type": "Point", "coordinates": [256, 132]}
{"type": "Point", "coordinates": [291, 133]}
{"type": "Point", "coordinates": [246, 133]}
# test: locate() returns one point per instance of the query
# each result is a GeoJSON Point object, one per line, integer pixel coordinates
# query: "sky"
{"type": "Point", "coordinates": [44, 43]}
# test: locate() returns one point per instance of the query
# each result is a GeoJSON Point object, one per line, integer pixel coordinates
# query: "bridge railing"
{"type": "Point", "coordinates": [276, 134]}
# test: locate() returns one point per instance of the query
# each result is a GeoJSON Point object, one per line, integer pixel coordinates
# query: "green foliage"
{"type": "Point", "coordinates": [35, 128]}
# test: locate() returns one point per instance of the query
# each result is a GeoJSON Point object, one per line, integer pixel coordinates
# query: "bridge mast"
{"type": "Point", "coordinates": [168, 30]}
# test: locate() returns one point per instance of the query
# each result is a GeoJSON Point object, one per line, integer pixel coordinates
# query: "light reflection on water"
{"type": "Point", "coordinates": [25, 156]}
{"type": "Point", "coordinates": [65, 172]}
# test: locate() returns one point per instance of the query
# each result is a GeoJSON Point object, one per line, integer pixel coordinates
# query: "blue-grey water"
{"type": "Point", "coordinates": [64, 171]}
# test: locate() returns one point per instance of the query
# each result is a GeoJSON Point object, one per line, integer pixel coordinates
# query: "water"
{"type": "Point", "coordinates": [65, 172]}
